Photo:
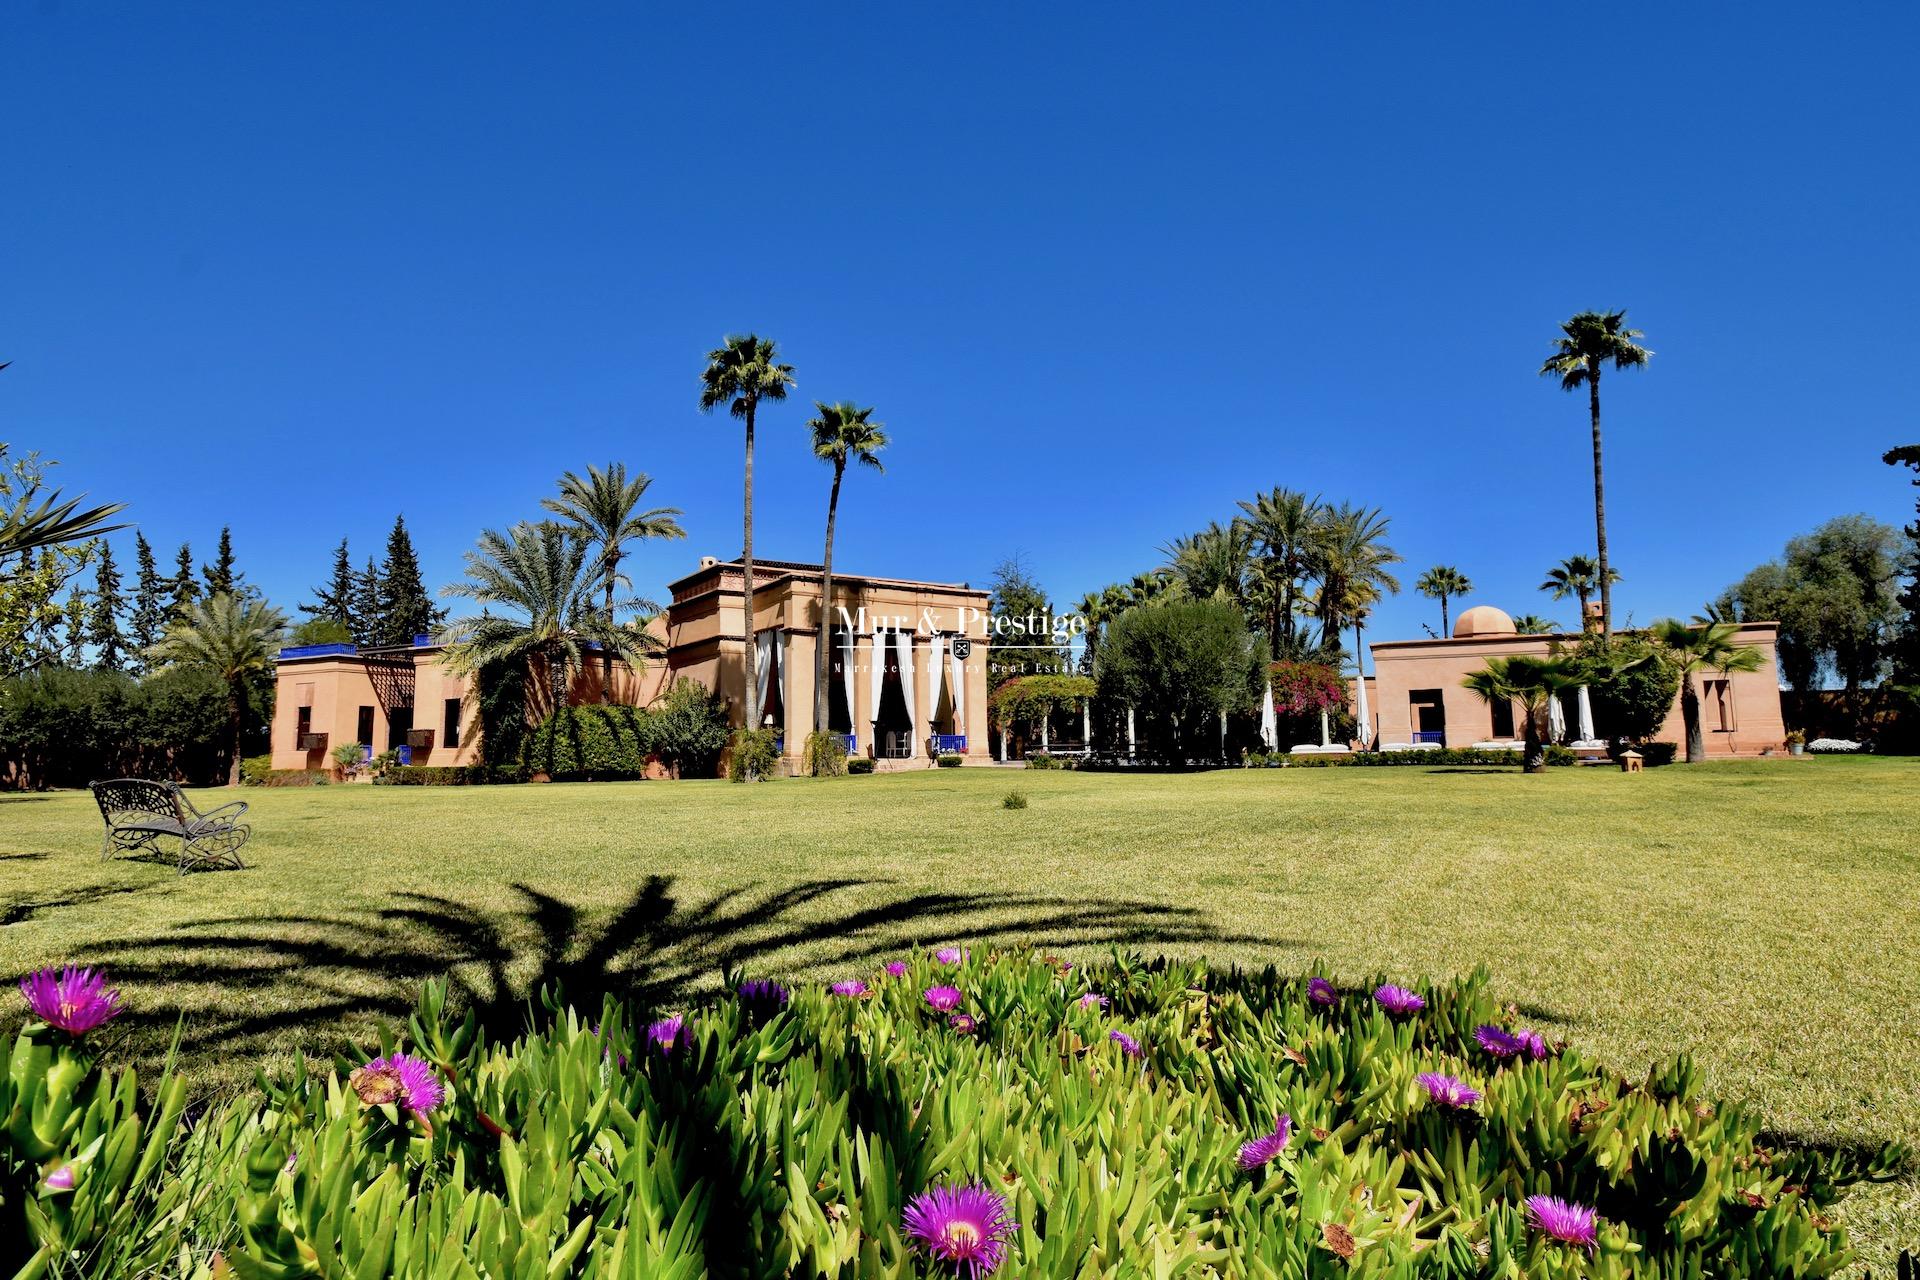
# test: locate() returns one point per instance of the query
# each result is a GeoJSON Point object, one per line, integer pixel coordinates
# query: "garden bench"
{"type": "Point", "coordinates": [139, 814]}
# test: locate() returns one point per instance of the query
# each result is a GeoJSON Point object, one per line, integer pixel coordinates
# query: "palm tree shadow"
{"type": "Point", "coordinates": [314, 983]}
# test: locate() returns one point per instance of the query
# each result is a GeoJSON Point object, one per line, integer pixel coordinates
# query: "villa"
{"type": "Point", "coordinates": [907, 672]}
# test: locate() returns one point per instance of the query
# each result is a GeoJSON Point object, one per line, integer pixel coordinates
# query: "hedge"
{"type": "Point", "coordinates": [589, 742]}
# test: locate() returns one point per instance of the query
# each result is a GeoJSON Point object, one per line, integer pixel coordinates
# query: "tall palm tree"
{"type": "Point", "coordinates": [604, 507]}
{"type": "Point", "coordinates": [1213, 563]}
{"type": "Point", "coordinates": [544, 577]}
{"type": "Point", "coordinates": [1284, 524]}
{"type": "Point", "coordinates": [1576, 576]}
{"type": "Point", "coordinates": [1530, 681]}
{"type": "Point", "coordinates": [1530, 624]}
{"type": "Point", "coordinates": [1351, 557]}
{"type": "Point", "coordinates": [740, 374]}
{"type": "Point", "coordinates": [1587, 342]}
{"type": "Point", "coordinates": [1691, 649]}
{"type": "Point", "coordinates": [842, 433]}
{"type": "Point", "coordinates": [1443, 582]}
{"type": "Point", "coordinates": [234, 640]}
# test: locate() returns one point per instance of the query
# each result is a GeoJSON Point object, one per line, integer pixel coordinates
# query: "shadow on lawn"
{"type": "Point", "coordinates": [249, 983]}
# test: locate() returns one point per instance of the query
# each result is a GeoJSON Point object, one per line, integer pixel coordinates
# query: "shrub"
{"type": "Point", "coordinates": [1041, 760]}
{"type": "Point", "coordinates": [589, 743]}
{"type": "Point", "coordinates": [61, 728]}
{"type": "Point", "coordinates": [950, 761]}
{"type": "Point", "coordinates": [751, 755]}
{"type": "Point", "coordinates": [825, 755]}
{"type": "Point", "coordinates": [347, 757]}
{"type": "Point", "coordinates": [1655, 754]}
{"type": "Point", "coordinates": [1014, 800]}
{"type": "Point", "coordinates": [254, 770]}
{"type": "Point", "coordinates": [860, 764]}
{"type": "Point", "coordinates": [448, 775]}
{"type": "Point", "coordinates": [294, 778]}
{"type": "Point", "coordinates": [689, 728]}
{"type": "Point", "coordinates": [1555, 755]}
{"type": "Point", "coordinates": [1631, 684]}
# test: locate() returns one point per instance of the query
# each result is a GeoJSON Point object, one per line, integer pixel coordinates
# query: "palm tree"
{"type": "Point", "coordinates": [1213, 563]}
{"type": "Point", "coordinates": [1350, 555]}
{"type": "Point", "coordinates": [1576, 576]}
{"type": "Point", "coordinates": [842, 433]}
{"type": "Point", "coordinates": [741, 374]}
{"type": "Point", "coordinates": [1589, 341]}
{"type": "Point", "coordinates": [604, 507]}
{"type": "Point", "coordinates": [234, 640]}
{"type": "Point", "coordinates": [1284, 523]}
{"type": "Point", "coordinates": [544, 577]}
{"type": "Point", "coordinates": [1708, 645]}
{"type": "Point", "coordinates": [1530, 681]}
{"type": "Point", "coordinates": [1529, 624]}
{"type": "Point", "coordinates": [1443, 582]}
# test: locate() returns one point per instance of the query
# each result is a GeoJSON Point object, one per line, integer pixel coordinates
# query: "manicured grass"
{"type": "Point", "coordinates": [1761, 916]}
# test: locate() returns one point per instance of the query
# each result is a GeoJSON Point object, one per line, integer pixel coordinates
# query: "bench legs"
{"type": "Point", "coordinates": [219, 848]}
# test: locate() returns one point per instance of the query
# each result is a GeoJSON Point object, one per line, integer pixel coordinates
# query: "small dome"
{"type": "Point", "coordinates": [1482, 620]}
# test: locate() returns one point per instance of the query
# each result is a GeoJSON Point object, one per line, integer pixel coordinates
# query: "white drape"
{"type": "Point", "coordinates": [959, 695]}
{"type": "Point", "coordinates": [1586, 716]}
{"type": "Point", "coordinates": [1269, 727]}
{"type": "Point", "coordinates": [936, 664]}
{"type": "Point", "coordinates": [1129, 733]}
{"type": "Point", "coordinates": [876, 674]}
{"type": "Point", "coordinates": [1363, 719]}
{"type": "Point", "coordinates": [1086, 723]}
{"type": "Point", "coordinates": [763, 662]}
{"type": "Point", "coordinates": [1556, 719]}
{"type": "Point", "coordinates": [904, 641]}
{"type": "Point", "coordinates": [846, 675]}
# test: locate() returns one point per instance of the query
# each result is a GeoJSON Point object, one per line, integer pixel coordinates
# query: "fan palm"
{"type": "Point", "coordinates": [543, 576]}
{"type": "Point", "coordinates": [1702, 647]}
{"type": "Point", "coordinates": [1587, 342]}
{"type": "Point", "coordinates": [1530, 681]}
{"type": "Point", "coordinates": [604, 507]}
{"type": "Point", "coordinates": [1443, 582]}
{"type": "Point", "coordinates": [1284, 524]}
{"type": "Point", "coordinates": [740, 374]}
{"type": "Point", "coordinates": [233, 639]}
{"type": "Point", "coordinates": [842, 433]}
{"type": "Point", "coordinates": [1576, 576]}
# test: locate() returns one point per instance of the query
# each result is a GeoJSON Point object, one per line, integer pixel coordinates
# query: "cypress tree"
{"type": "Point", "coordinates": [103, 616]}
{"type": "Point", "coordinates": [73, 648]}
{"type": "Point", "coordinates": [405, 609]}
{"type": "Point", "coordinates": [1906, 639]}
{"type": "Point", "coordinates": [149, 603]}
{"type": "Point", "coordinates": [183, 589]}
{"type": "Point", "coordinates": [334, 600]}
{"type": "Point", "coordinates": [366, 605]}
{"type": "Point", "coordinates": [220, 576]}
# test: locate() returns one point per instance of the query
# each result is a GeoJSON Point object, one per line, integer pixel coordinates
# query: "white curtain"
{"type": "Point", "coordinates": [876, 675]}
{"type": "Point", "coordinates": [1269, 727]}
{"type": "Point", "coordinates": [904, 640]}
{"type": "Point", "coordinates": [763, 662]}
{"type": "Point", "coordinates": [1586, 716]}
{"type": "Point", "coordinates": [935, 665]}
{"type": "Point", "coordinates": [1556, 719]}
{"type": "Point", "coordinates": [1363, 729]}
{"type": "Point", "coordinates": [959, 674]}
{"type": "Point", "coordinates": [846, 675]}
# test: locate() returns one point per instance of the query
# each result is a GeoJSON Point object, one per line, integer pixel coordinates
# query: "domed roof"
{"type": "Point", "coordinates": [1482, 620]}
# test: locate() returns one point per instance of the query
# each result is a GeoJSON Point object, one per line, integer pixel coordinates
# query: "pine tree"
{"type": "Point", "coordinates": [334, 601]}
{"type": "Point", "coordinates": [103, 615]}
{"type": "Point", "coordinates": [405, 609]}
{"type": "Point", "coordinates": [149, 603]}
{"type": "Point", "coordinates": [220, 576]}
{"type": "Point", "coordinates": [73, 645]}
{"type": "Point", "coordinates": [366, 605]}
{"type": "Point", "coordinates": [183, 589]}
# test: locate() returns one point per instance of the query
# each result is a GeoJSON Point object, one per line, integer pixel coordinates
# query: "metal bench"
{"type": "Point", "coordinates": [139, 814]}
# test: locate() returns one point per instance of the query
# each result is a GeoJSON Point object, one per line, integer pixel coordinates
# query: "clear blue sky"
{"type": "Point", "coordinates": [1103, 271]}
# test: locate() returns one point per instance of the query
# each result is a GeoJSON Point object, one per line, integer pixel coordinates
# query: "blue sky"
{"type": "Point", "coordinates": [1103, 272]}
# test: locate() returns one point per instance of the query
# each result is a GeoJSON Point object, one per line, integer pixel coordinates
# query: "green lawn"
{"type": "Point", "coordinates": [1764, 916]}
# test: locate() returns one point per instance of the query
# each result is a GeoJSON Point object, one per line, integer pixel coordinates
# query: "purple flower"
{"type": "Point", "coordinates": [965, 1023]}
{"type": "Point", "coordinates": [1092, 1000]}
{"type": "Point", "coordinates": [1258, 1151]}
{"type": "Point", "coordinates": [1128, 1045]}
{"type": "Point", "coordinates": [1562, 1220]}
{"type": "Point", "coordinates": [1448, 1091]}
{"type": "Point", "coordinates": [945, 999]}
{"type": "Point", "coordinates": [607, 1051]}
{"type": "Point", "coordinates": [763, 997]}
{"type": "Point", "coordinates": [73, 1000]}
{"type": "Point", "coordinates": [1398, 1001]}
{"type": "Point", "coordinates": [60, 1179]}
{"type": "Point", "coordinates": [852, 987]}
{"type": "Point", "coordinates": [967, 1226]}
{"type": "Point", "coordinates": [896, 968]}
{"type": "Point", "coordinates": [949, 955]}
{"type": "Point", "coordinates": [1532, 1043]}
{"type": "Point", "coordinates": [1321, 992]}
{"type": "Point", "coordinates": [666, 1032]}
{"type": "Point", "coordinates": [402, 1079]}
{"type": "Point", "coordinates": [1502, 1043]}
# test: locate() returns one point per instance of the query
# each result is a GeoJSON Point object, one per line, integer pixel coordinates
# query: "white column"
{"type": "Point", "coordinates": [1129, 733]}
{"type": "Point", "coordinates": [1086, 723]}
{"type": "Point", "coordinates": [904, 640]}
{"type": "Point", "coordinates": [1046, 725]}
{"type": "Point", "coordinates": [1223, 733]}
{"type": "Point", "coordinates": [1326, 734]}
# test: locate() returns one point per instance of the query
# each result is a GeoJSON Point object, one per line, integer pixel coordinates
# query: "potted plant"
{"type": "Point", "coordinates": [1796, 742]}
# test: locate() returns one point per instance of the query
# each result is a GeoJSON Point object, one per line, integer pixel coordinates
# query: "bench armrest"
{"type": "Point", "coordinates": [225, 813]}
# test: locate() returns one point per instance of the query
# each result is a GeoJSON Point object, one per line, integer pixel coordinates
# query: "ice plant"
{"type": "Point", "coordinates": [1321, 992]}
{"type": "Point", "coordinates": [851, 987]}
{"type": "Point", "coordinates": [1563, 1220]}
{"type": "Point", "coordinates": [666, 1032]}
{"type": "Point", "coordinates": [1128, 1045]}
{"type": "Point", "coordinates": [74, 1000]}
{"type": "Point", "coordinates": [402, 1079]}
{"type": "Point", "coordinates": [1448, 1091]}
{"type": "Point", "coordinates": [967, 1226]}
{"type": "Point", "coordinates": [1092, 1000]}
{"type": "Point", "coordinates": [945, 999]}
{"type": "Point", "coordinates": [1398, 1001]}
{"type": "Point", "coordinates": [965, 1023]}
{"type": "Point", "coordinates": [1258, 1151]}
{"type": "Point", "coordinates": [763, 996]}
{"type": "Point", "coordinates": [1502, 1043]}
{"type": "Point", "coordinates": [896, 968]}
{"type": "Point", "coordinates": [949, 955]}
{"type": "Point", "coordinates": [60, 1179]}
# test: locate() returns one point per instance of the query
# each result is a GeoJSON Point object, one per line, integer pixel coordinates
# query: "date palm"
{"type": "Point", "coordinates": [231, 638]}
{"type": "Point", "coordinates": [1443, 582]}
{"type": "Point", "coordinates": [1576, 576]}
{"type": "Point", "coordinates": [1530, 624]}
{"type": "Point", "coordinates": [1702, 647]}
{"type": "Point", "coordinates": [842, 433]}
{"type": "Point", "coordinates": [1351, 557]}
{"type": "Point", "coordinates": [1588, 342]}
{"type": "Point", "coordinates": [1284, 524]}
{"type": "Point", "coordinates": [604, 507]}
{"type": "Point", "coordinates": [1530, 681]}
{"type": "Point", "coordinates": [543, 576]}
{"type": "Point", "coordinates": [1213, 564]}
{"type": "Point", "coordinates": [740, 374]}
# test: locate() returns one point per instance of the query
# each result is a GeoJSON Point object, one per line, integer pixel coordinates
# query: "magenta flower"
{"type": "Point", "coordinates": [1092, 1000]}
{"type": "Point", "coordinates": [1259, 1151]}
{"type": "Point", "coordinates": [1398, 1001]}
{"type": "Point", "coordinates": [1448, 1091]}
{"type": "Point", "coordinates": [1563, 1221]}
{"type": "Point", "coordinates": [402, 1079]}
{"type": "Point", "coordinates": [1128, 1045]}
{"type": "Point", "coordinates": [1321, 992]}
{"type": "Point", "coordinates": [965, 1023]}
{"type": "Point", "coordinates": [1532, 1043]}
{"type": "Point", "coordinates": [966, 1226]}
{"type": "Point", "coordinates": [762, 998]}
{"type": "Point", "coordinates": [945, 999]}
{"type": "Point", "coordinates": [666, 1032]}
{"type": "Point", "coordinates": [60, 1179]}
{"type": "Point", "coordinates": [949, 955]}
{"type": "Point", "coordinates": [896, 968]}
{"type": "Point", "coordinates": [1501, 1043]}
{"type": "Point", "coordinates": [74, 1000]}
{"type": "Point", "coordinates": [852, 987]}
